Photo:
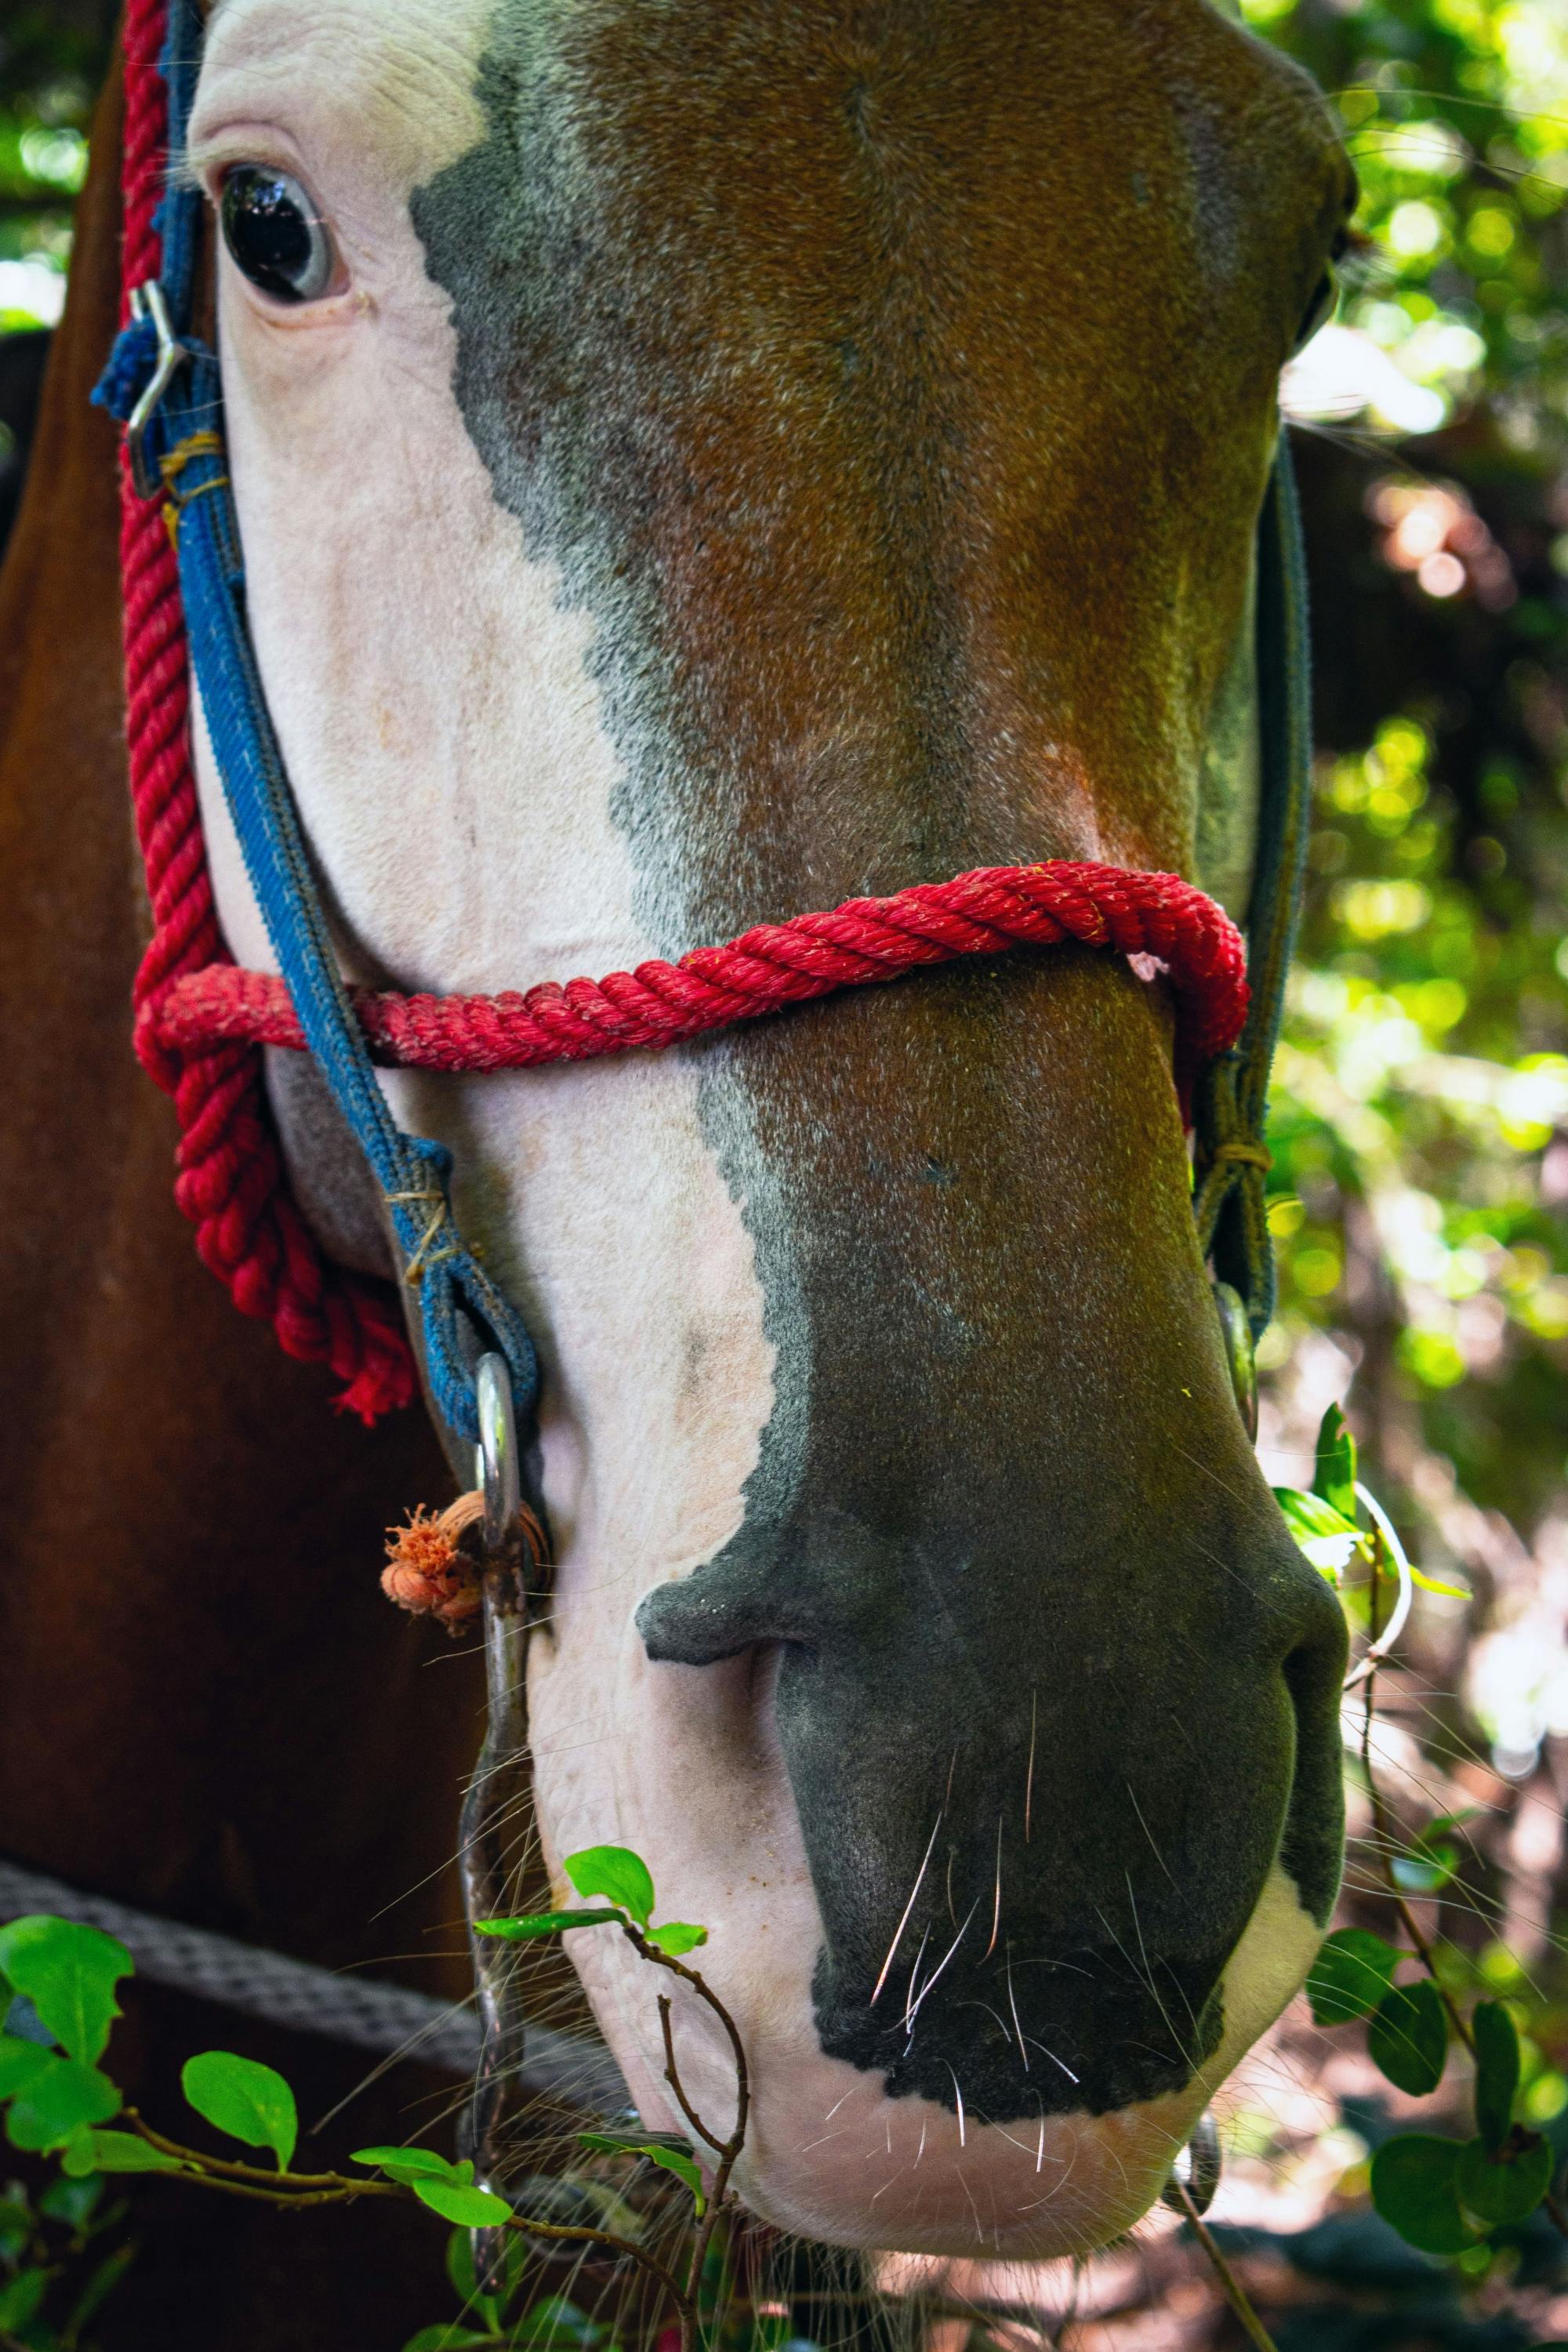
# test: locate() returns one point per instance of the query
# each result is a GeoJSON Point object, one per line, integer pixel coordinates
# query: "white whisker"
{"type": "Point", "coordinates": [997, 1909]}
{"type": "Point", "coordinates": [903, 1923]}
{"type": "Point", "coordinates": [910, 2014]}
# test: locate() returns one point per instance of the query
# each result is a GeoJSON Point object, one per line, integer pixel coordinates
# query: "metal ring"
{"type": "Point", "coordinates": [1395, 1626]}
{"type": "Point", "coordinates": [147, 303]}
{"type": "Point", "coordinates": [1197, 2169]}
{"type": "Point", "coordinates": [496, 1465]}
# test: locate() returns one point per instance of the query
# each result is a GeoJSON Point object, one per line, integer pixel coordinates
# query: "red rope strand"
{"type": "Point", "coordinates": [865, 939]}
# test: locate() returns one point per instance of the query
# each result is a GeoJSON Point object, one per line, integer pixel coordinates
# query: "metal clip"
{"type": "Point", "coordinates": [147, 303]}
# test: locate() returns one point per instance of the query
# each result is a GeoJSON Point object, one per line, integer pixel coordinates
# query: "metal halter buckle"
{"type": "Point", "coordinates": [147, 303]}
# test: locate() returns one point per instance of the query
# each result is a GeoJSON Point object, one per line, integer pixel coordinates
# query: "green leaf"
{"type": "Point", "coordinates": [1329, 1540]}
{"type": "Point", "coordinates": [20, 2298]}
{"type": "Point", "coordinates": [69, 1972]}
{"type": "Point", "coordinates": [465, 2278]}
{"type": "Point", "coordinates": [1351, 1975]}
{"type": "Point", "coordinates": [1334, 1478]}
{"type": "Point", "coordinates": [677, 1936]}
{"type": "Point", "coordinates": [1415, 2188]}
{"type": "Point", "coordinates": [99, 2286]}
{"type": "Point", "coordinates": [1430, 1584]}
{"type": "Point", "coordinates": [56, 2104]}
{"type": "Point", "coordinates": [1497, 2072]}
{"type": "Point", "coordinates": [413, 2164]}
{"type": "Point", "coordinates": [550, 2326]}
{"type": "Point", "coordinates": [544, 1923]}
{"type": "Point", "coordinates": [15, 2224]}
{"type": "Point", "coordinates": [460, 2268]}
{"type": "Point", "coordinates": [658, 2151]}
{"type": "Point", "coordinates": [19, 2061]}
{"type": "Point", "coordinates": [616, 1872]}
{"type": "Point", "coordinates": [1508, 2184]}
{"type": "Point", "coordinates": [248, 2101]}
{"type": "Point", "coordinates": [448, 2337]}
{"type": "Point", "coordinates": [1309, 1515]}
{"type": "Point", "coordinates": [684, 2170]}
{"type": "Point", "coordinates": [476, 2208]}
{"type": "Point", "coordinates": [1408, 2039]}
{"type": "Point", "coordinates": [72, 2201]}
{"type": "Point", "coordinates": [113, 2151]}
{"type": "Point", "coordinates": [1427, 1866]}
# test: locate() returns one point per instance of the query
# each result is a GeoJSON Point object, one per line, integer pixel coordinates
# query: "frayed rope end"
{"type": "Point", "coordinates": [433, 1564]}
{"type": "Point", "coordinates": [426, 1570]}
{"type": "Point", "coordinates": [379, 1388]}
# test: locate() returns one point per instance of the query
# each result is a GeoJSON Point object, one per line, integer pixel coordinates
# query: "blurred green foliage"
{"type": "Point", "coordinates": [1421, 1116]}
{"type": "Point", "coordinates": [52, 56]}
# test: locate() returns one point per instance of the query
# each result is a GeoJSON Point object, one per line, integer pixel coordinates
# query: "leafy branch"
{"type": "Point", "coordinates": [624, 1880]}
{"type": "Point", "coordinates": [59, 1983]}
{"type": "Point", "coordinates": [1444, 2196]}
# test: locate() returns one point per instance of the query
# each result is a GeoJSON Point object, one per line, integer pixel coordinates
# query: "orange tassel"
{"type": "Point", "coordinates": [426, 1570]}
{"type": "Point", "coordinates": [433, 1564]}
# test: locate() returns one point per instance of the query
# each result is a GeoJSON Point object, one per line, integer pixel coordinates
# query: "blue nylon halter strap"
{"type": "Point", "coordinates": [179, 445]}
{"type": "Point", "coordinates": [462, 1313]}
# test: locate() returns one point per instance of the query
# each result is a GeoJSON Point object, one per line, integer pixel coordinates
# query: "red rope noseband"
{"type": "Point", "coordinates": [777, 964]}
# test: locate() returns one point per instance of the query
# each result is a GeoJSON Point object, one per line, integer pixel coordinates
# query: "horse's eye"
{"type": "Point", "coordinates": [275, 234]}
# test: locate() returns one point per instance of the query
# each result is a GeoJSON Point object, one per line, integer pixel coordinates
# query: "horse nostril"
{"type": "Point", "coordinates": [715, 1614]}
{"type": "Point", "coordinates": [1195, 2175]}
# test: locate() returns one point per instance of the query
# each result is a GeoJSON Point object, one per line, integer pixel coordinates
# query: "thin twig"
{"type": "Point", "coordinates": [296, 2189]}
{"type": "Point", "coordinates": [672, 2077]}
{"type": "Point", "coordinates": [726, 2150]}
{"type": "Point", "coordinates": [227, 2165]}
{"type": "Point", "coordinates": [1230, 2285]}
{"type": "Point", "coordinates": [283, 2200]}
{"type": "Point", "coordinates": [706, 1992]}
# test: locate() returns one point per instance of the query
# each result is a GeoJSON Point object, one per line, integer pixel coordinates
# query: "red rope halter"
{"type": "Point", "coordinates": [776, 964]}
{"type": "Point", "coordinates": [201, 1022]}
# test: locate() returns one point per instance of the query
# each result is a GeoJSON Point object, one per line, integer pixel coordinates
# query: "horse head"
{"type": "Point", "coordinates": [697, 464]}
